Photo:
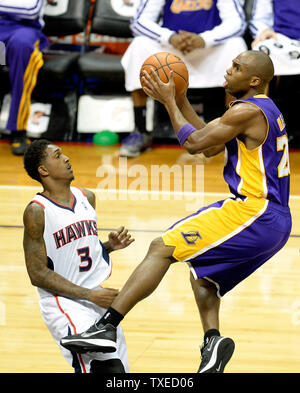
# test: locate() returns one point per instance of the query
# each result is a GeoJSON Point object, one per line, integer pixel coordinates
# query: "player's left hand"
{"type": "Point", "coordinates": [119, 239]}
{"type": "Point", "coordinates": [156, 89]}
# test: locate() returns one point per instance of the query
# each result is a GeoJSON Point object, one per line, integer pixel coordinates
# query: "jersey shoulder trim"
{"type": "Point", "coordinates": [40, 203]}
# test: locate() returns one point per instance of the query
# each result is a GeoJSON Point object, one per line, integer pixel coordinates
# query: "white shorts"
{"type": "Point", "coordinates": [207, 66]}
{"type": "Point", "coordinates": [64, 316]}
{"type": "Point", "coordinates": [284, 52]}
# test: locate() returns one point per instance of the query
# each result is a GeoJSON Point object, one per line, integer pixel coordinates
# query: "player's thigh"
{"type": "Point", "coordinates": [194, 233]}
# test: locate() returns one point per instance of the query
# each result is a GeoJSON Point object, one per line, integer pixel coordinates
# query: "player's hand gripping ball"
{"type": "Point", "coordinates": [163, 63]}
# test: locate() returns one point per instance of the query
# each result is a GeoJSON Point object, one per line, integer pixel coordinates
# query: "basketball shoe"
{"type": "Point", "coordinates": [216, 354]}
{"type": "Point", "coordinates": [19, 143]}
{"type": "Point", "coordinates": [98, 338]}
{"type": "Point", "coordinates": [135, 144]}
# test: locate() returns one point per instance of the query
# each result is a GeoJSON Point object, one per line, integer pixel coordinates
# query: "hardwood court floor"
{"type": "Point", "coordinates": [163, 332]}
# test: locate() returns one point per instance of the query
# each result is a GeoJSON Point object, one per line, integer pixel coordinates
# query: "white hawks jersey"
{"type": "Point", "coordinates": [73, 248]}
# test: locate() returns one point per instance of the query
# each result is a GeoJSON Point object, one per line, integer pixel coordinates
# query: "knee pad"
{"type": "Point", "coordinates": [107, 366]}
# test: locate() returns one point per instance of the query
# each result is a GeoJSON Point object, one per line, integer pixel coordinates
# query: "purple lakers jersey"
{"type": "Point", "coordinates": [287, 17]}
{"type": "Point", "coordinates": [263, 172]}
{"type": "Point", "coordinates": [195, 16]}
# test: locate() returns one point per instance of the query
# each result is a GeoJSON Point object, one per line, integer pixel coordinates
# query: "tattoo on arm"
{"type": "Point", "coordinates": [36, 257]}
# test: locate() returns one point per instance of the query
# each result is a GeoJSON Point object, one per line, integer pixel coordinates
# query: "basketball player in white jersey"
{"type": "Point", "coordinates": [65, 258]}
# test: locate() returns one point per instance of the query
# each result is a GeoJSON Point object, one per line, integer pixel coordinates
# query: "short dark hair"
{"type": "Point", "coordinates": [34, 156]}
{"type": "Point", "coordinates": [261, 65]}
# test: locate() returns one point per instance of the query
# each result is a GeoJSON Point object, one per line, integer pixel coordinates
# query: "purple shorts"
{"type": "Point", "coordinates": [227, 241]}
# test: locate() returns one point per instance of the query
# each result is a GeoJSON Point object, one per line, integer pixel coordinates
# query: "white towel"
{"type": "Point", "coordinates": [284, 52]}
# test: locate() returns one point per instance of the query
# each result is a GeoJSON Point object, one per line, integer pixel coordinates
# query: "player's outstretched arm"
{"type": "Point", "coordinates": [237, 120]}
{"type": "Point", "coordinates": [242, 119]}
{"type": "Point", "coordinates": [179, 108]}
{"type": "Point", "coordinates": [36, 263]}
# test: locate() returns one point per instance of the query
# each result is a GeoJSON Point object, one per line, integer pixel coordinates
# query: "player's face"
{"type": "Point", "coordinates": [57, 164]}
{"type": "Point", "coordinates": [237, 80]}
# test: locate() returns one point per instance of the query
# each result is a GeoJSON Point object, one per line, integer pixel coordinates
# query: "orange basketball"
{"type": "Point", "coordinates": [163, 63]}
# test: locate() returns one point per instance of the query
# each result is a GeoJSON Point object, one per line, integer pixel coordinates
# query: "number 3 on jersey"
{"type": "Point", "coordinates": [284, 165]}
{"type": "Point", "coordinates": [85, 259]}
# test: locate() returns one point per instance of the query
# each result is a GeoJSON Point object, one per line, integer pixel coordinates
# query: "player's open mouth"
{"type": "Point", "coordinates": [225, 84]}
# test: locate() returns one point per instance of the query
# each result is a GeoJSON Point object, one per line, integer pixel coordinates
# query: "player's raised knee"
{"type": "Point", "coordinates": [158, 246]}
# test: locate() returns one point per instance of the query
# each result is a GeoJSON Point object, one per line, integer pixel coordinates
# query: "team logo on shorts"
{"type": "Point", "coordinates": [191, 237]}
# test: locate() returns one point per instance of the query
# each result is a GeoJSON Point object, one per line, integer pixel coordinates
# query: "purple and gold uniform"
{"type": "Point", "coordinates": [282, 16]}
{"type": "Point", "coordinates": [21, 32]}
{"type": "Point", "coordinates": [190, 14]}
{"type": "Point", "coordinates": [216, 20]}
{"type": "Point", "coordinates": [228, 240]}
{"type": "Point", "coordinates": [286, 18]}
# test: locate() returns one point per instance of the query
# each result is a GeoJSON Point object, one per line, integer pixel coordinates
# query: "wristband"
{"type": "Point", "coordinates": [184, 133]}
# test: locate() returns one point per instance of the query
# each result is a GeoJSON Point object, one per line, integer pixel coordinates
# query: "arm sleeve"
{"type": "Point", "coordinates": [233, 23]}
{"type": "Point", "coordinates": [21, 9]}
{"type": "Point", "coordinates": [262, 17]}
{"type": "Point", "coordinates": [146, 21]}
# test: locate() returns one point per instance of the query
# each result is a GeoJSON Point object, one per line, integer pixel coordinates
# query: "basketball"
{"type": "Point", "coordinates": [163, 63]}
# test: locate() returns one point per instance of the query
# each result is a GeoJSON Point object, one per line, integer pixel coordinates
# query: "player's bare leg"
{"type": "Point", "coordinates": [146, 277]}
{"type": "Point", "coordinates": [207, 302]}
{"type": "Point", "coordinates": [143, 281]}
{"type": "Point", "coordinates": [216, 351]}
{"type": "Point", "coordinates": [101, 337]}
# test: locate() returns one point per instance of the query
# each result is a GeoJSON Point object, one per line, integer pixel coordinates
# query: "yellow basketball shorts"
{"type": "Point", "coordinates": [226, 241]}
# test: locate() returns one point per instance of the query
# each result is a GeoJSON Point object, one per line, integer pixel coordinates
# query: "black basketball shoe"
{"type": "Point", "coordinates": [19, 143]}
{"type": "Point", "coordinates": [216, 354]}
{"type": "Point", "coordinates": [98, 338]}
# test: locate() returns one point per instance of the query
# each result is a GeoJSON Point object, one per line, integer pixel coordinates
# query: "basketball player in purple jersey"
{"type": "Point", "coordinates": [65, 258]}
{"type": "Point", "coordinates": [227, 241]}
{"type": "Point", "coordinates": [21, 32]}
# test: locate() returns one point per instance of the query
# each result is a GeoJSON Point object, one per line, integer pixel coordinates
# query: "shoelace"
{"type": "Point", "coordinates": [92, 328]}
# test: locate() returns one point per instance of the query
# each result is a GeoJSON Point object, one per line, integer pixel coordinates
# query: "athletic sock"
{"type": "Point", "coordinates": [140, 118]}
{"type": "Point", "coordinates": [111, 316]}
{"type": "Point", "coordinates": [209, 334]}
